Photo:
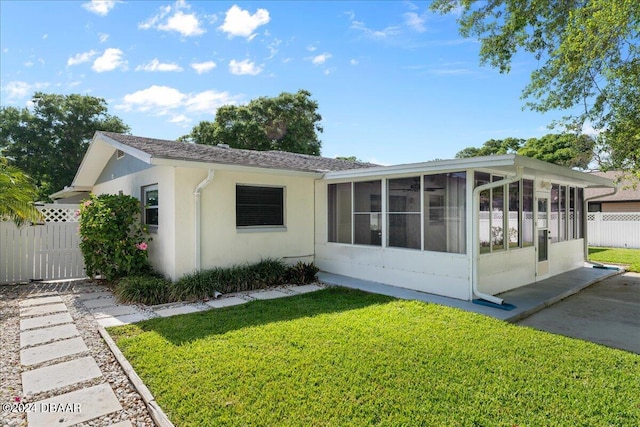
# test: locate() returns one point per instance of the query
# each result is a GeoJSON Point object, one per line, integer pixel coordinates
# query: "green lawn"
{"type": "Point", "coordinates": [628, 257]}
{"type": "Point", "coordinates": [339, 357]}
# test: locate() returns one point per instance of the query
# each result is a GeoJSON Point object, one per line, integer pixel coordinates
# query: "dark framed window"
{"type": "Point", "coordinates": [150, 205]}
{"type": "Point", "coordinates": [259, 206]}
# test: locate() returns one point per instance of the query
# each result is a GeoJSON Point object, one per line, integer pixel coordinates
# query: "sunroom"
{"type": "Point", "coordinates": [464, 228]}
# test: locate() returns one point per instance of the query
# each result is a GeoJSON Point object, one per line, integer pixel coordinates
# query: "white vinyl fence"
{"type": "Point", "coordinates": [614, 229]}
{"type": "Point", "coordinates": [47, 251]}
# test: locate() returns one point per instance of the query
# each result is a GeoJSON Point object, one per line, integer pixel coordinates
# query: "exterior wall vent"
{"type": "Point", "coordinates": [119, 154]}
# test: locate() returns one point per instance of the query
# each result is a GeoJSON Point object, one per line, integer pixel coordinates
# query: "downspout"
{"type": "Point", "coordinates": [196, 194]}
{"type": "Point", "coordinates": [475, 247]}
{"type": "Point", "coordinates": [585, 209]}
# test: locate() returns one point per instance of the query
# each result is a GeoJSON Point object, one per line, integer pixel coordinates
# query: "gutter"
{"type": "Point", "coordinates": [196, 193]}
{"type": "Point", "coordinates": [585, 209]}
{"type": "Point", "coordinates": [475, 247]}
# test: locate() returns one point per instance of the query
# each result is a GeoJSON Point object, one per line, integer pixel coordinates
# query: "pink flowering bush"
{"type": "Point", "coordinates": [113, 239]}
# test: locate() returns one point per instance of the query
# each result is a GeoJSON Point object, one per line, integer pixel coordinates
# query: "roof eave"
{"type": "Point", "coordinates": [163, 161]}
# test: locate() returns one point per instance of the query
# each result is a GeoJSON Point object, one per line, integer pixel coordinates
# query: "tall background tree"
{"type": "Point", "coordinates": [48, 140]}
{"type": "Point", "coordinates": [288, 122]}
{"type": "Point", "coordinates": [17, 193]}
{"type": "Point", "coordinates": [589, 56]}
{"type": "Point", "coordinates": [574, 151]}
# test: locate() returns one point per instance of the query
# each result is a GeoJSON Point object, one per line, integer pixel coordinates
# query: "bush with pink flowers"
{"type": "Point", "coordinates": [114, 242]}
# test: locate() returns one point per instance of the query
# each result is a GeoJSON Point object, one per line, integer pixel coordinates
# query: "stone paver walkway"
{"type": "Point", "coordinates": [108, 312]}
{"type": "Point", "coordinates": [54, 356]}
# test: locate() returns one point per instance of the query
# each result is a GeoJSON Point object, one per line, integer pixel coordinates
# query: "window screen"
{"type": "Point", "coordinates": [259, 206]}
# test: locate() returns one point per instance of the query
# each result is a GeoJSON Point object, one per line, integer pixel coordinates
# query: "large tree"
{"type": "Point", "coordinates": [48, 140]}
{"type": "Point", "coordinates": [562, 149]}
{"type": "Point", "coordinates": [589, 61]}
{"type": "Point", "coordinates": [17, 193]}
{"type": "Point", "coordinates": [288, 122]}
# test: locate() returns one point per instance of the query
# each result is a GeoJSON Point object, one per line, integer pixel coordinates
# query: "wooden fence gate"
{"type": "Point", "coordinates": [46, 251]}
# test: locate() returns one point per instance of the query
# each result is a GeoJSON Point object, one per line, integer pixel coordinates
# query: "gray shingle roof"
{"type": "Point", "coordinates": [174, 150]}
{"type": "Point", "coordinates": [629, 189]}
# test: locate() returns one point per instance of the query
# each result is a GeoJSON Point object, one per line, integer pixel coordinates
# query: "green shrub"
{"type": "Point", "coordinates": [302, 273]}
{"type": "Point", "coordinates": [113, 241]}
{"type": "Point", "coordinates": [149, 290]}
{"type": "Point", "coordinates": [203, 284]}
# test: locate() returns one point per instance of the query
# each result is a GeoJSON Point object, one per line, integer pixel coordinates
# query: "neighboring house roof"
{"type": "Point", "coordinates": [173, 150]}
{"type": "Point", "coordinates": [628, 189]}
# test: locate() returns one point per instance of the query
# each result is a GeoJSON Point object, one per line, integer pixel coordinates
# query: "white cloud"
{"type": "Point", "coordinates": [165, 100]}
{"type": "Point", "coordinates": [45, 36]}
{"type": "Point", "coordinates": [158, 98]}
{"type": "Point", "coordinates": [99, 7]}
{"type": "Point", "coordinates": [320, 59]}
{"type": "Point", "coordinates": [180, 119]}
{"type": "Point", "coordinates": [28, 64]}
{"type": "Point", "coordinates": [244, 67]}
{"type": "Point", "coordinates": [311, 48]}
{"type": "Point", "coordinates": [238, 22]}
{"type": "Point", "coordinates": [208, 101]}
{"type": "Point", "coordinates": [103, 37]}
{"type": "Point", "coordinates": [203, 67]}
{"type": "Point", "coordinates": [156, 65]}
{"type": "Point", "coordinates": [172, 18]}
{"type": "Point", "coordinates": [186, 24]}
{"type": "Point", "coordinates": [20, 89]}
{"type": "Point", "coordinates": [415, 21]}
{"type": "Point", "coordinates": [79, 58]}
{"type": "Point", "coordinates": [109, 61]}
{"type": "Point", "coordinates": [385, 33]}
{"type": "Point", "coordinates": [354, 62]}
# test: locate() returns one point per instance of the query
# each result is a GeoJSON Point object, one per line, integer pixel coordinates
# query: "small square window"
{"type": "Point", "coordinates": [259, 206]}
{"type": "Point", "coordinates": [150, 205]}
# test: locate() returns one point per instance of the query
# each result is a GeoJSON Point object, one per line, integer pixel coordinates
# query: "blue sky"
{"type": "Point", "coordinates": [395, 83]}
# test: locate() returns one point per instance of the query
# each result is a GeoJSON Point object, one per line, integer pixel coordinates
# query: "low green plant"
{"type": "Point", "coordinates": [148, 289]}
{"type": "Point", "coordinates": [203, 284]}
{"type": "Point", "coordinates": [113, 242]}
{"type": "Point", "coordinates": [302, 273]}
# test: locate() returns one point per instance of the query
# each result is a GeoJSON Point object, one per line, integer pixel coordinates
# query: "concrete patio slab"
{"type": "Point", "coordinates": [268, 295]}
{"type": "Point", "coordinates": [40, 310]}
{"type": "Point", "coordinates": [52, 351]}
{"type": "Point", "coordinates": [43, 335]}
{"type": "Point", "coordinates": [39, 301]}
{"type": "Point", "coordinates": [45, 321]}
{"type": "Point", "coordinates": [225, 302]}
{"type": "Point", "coordinates": [126, 319]}
{"type": "Point", "coordinates": [75, 407]}
{"type": "Point", "coordinates": [173, 311]}
{"type": "Point", "coordinates": [60, 375]}
{"type": "Point", "coordinates": [303, 289]}
{"type": "Point", "coordinates": [100, 302]}
{"type": "Point", "coordinates": [114, 310]}
{"type": "Point", "coordinates": [606, 313]}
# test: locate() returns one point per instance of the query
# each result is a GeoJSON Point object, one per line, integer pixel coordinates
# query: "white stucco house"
{"type": "Point", "coordinates": [464, 228]}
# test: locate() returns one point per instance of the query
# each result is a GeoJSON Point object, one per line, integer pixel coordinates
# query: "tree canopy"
{"type": "Point", "coordinates": [17, 193]}
{"type": "Point", "coordinates": [562, 149]}
{"type": "Point", "coordinates": [49, 140]}
{"type": "Point", "coordinates": [288, 122]}
{"type": "Point", "coordinates": [588, 55]}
